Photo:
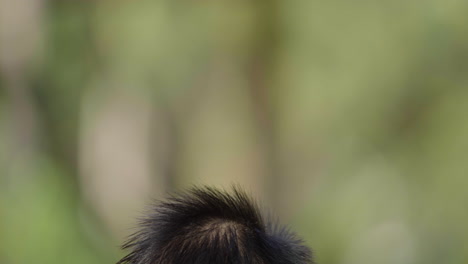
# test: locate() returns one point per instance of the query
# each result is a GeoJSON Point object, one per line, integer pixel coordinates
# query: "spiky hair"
{"type": "Point", "coordinates": [208, 226]}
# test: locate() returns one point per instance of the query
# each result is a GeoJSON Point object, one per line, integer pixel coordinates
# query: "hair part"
{"type": "Point", "coordinates": [208, 226]}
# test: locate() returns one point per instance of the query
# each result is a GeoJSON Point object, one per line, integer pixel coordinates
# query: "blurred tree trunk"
{"type": "Point", "coordinates": [21, 36]}
{"type": "Point", "coordinates": [262, 91]}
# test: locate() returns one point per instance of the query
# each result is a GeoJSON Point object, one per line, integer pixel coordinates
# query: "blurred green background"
{"type": "Point", "coordinates": [348, 119]}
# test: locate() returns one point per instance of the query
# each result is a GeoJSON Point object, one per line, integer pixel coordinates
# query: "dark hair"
{"type": "Point", "coordinates": [208, 226]}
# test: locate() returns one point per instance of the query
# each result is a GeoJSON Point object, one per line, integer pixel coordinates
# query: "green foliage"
{"type": "Point", "coordinates": [349, 118]}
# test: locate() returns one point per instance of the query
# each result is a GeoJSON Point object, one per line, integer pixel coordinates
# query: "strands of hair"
{"type": "Point", "coordinates": [208, 226]}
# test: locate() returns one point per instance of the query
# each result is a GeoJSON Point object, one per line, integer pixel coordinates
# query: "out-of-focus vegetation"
{"type": "Point", "coordinates": [347, 118]}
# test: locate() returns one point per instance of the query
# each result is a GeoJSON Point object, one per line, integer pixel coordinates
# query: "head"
{"type": "Point", "coordinates": [207, 226]}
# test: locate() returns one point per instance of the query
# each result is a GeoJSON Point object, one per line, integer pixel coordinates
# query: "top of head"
{"type": "Point", "coordinates": [208, 226]}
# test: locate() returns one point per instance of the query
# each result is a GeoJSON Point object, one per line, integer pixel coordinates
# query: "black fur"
{"type": "Point", "coordinates": [207, 226]}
